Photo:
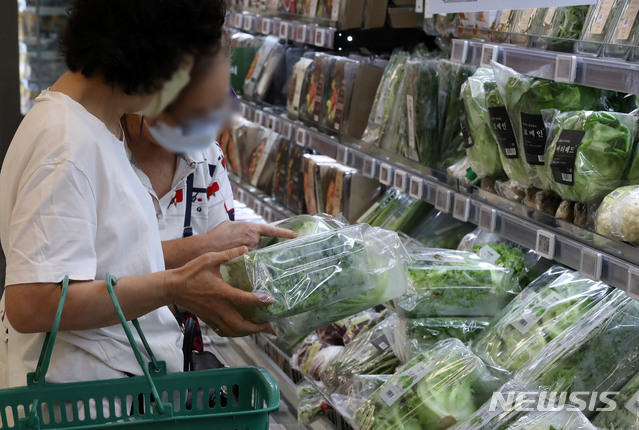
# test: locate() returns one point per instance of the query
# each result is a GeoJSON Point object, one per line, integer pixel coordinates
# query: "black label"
{"type": "Point", "coordinates": [381, 343]}
{"type": "Point", "coordinates": [500, 122]}
{"type": "Point", "coordinates": [534, 132]}
{"type": "Point", "coordinates": [465, 128]}
{"type": "Point", "coordinates": [563, 160]}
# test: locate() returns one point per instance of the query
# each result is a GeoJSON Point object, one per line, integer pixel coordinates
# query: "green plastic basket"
{"type": "Point", "coordinates": [221, 399]}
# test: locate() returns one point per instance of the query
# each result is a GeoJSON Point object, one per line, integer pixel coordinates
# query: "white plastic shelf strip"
{"type": "Point", "coordinates": [602, 73]}
{"type": "Point", "coordinates": [263, 204]}
{"type": "Point", "coordinates": [310, 34]}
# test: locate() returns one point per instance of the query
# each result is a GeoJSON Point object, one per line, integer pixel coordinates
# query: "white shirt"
{"type": "Point", "coordinates": [212, 195]}
{"type": "Point", "coordinates": [72, 205]}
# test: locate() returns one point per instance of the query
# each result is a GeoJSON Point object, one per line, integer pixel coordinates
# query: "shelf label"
{"type": "Point", "coordinates": [239, 195]}
{"type": "Point", "coordinates": [565, 68]}
{"type": "Point", "coordinates": [591, 263]}
{"type": "Point", "coordinates": [319, 37]}
{"type": "Point", "coordinates": [284, 30]}
{"type": "Point", "coordinates": [461, 208]}
{"type": "Point", "coordinates": [419, 6]}
{"type": "Point", "coordinates": [238, 20]}
{"type": "Point", "coordinates": [266, 26]}
{"type": "Point", "coordinates": [301, 136]}
{"type": "Point", "coordinates": [248, 22]}
{"type": "Point", "coordinates": [416, 188]}
{"type": "Point", "coordinates": [489, 53]}
{"type": "Point", "coordinates": [259, 117]}
{"type": "Point", "coordinates": [370, 167]}
{"type": "Point", "coordinates": [400, 180]}
{"type": "Point", "coordinates": [343, 155]}
{"type": "Point", "coordinates": [268, 214]}
{"type": "Point", "coordinates": [250, 113]}
{"type": "Point", "coordinates": [545, 245]}
{"type": "Point", "coordinates": [258, 207]}
{"type": "Point", "coordinates": [489, 254]}
{"type": "Point", "coordinates": [300, 33]}
{"type": "Point", "coordinates": [633, 283]}
{"type": "Point", "coordinates": [443, 200]}
{"type": "Point", "coordinates": [459, 52]}
{"type": "Point", "coordinates": [286, 129]}
{"type": "Point", "coordinates": [244, 110]}
{"type": "Point", "coordinates": [386, 174]}
{"type": "Point", "coordinates": [488, 219]}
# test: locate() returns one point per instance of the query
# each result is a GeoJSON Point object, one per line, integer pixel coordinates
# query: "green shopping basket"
{"type": "Point", "coordinates": [220, 399]}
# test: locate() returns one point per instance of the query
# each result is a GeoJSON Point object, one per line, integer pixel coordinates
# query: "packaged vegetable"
{"type": "Point", "coordinates": [606, 208]}
{"type": "Point", "coordinates": [322, 360]}
{"type": "Point", "coordinates": [312, 272]}
{"type": "Point", "coordinates": [624, 32]}
{"type": "Point", "coordinates": [435, 390]}
{"type": "Point", "coordinates": [561, 23]}
{"type": "Point", "coordinates": [601, 17]}
{"type": "Point", "coordinates": [626, 415]}
{"type": "Point", "coordinates": [525, 98]}
{"type": "Point", "coordinates": [527, 22]}
{"type": "Point", "coordinates": [553, 420]}
{"type": "Point", "coordinates": [441, 230]}
{"type": "Point", "coordinates": [305, 225]}
{"type": "Point", "coordinates": [548, 306]}
{"type": "Point", "coordinates": [482, 148]}
{"type": "Point", "coordinates": [360, 388]}
{"type": "Point", "coordinates": [502, 26]}
{"type": "Point", "coordinates": [623, 217]}
{"type": "Point", "coordinates": [415, 336]}
{"type": "Point", "coordinates": [455, 283]}
{"type": "Point", "coordinates": [311, 405]}
{"type": "Point", "coordinates": [596, 354]}
{"type": "Point", "coordinates": [589, 153]}
{"type": "Point", "coordinates": [270, 52]}
{"type": "Point", "coordinates": [408, 220]}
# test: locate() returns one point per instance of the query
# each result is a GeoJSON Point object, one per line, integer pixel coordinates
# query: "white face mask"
{"type": "Point", "coordinates": [196, 135]}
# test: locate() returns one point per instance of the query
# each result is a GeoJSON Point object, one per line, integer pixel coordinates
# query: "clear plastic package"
{"type": "Point", "coordinates": [623, 217]}
{"type": "Point", "coordinates": [527, 22]}
{"type": "Point", "coordinates": [560, 26]}
{"type": "Point", "coordinates": [626, 415]}
{"type": "Point", "coordinates": [435, 390]}
{"type": "Point", "coordinates": [267, 57]}
{"type": "Point", "coordinates": [601, 17]}
{"type": "Point", "coordinates": [543, 310]}
{"type": "Point", "coordinates": [360, 388]}
{"type": "Point", "coordinates": [313, 272]}
{"type": "Point", "coordinates": [455, 283]}
{"type": "Point", "coordinates": [311, 405]}
{"type": "Point", "coordinates": [588, 153]}
{"type": "Point", "coordinates": [441, 230]}
{"type": "Point", "coordinates": [305, 225]}
{"type": "Point", "coordinates": [551, 420]}
{"type": "Point", "coordinates": [606, 208]}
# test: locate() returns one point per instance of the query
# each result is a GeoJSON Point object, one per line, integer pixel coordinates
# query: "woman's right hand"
{"type": "Point", "coordinates": [198, 287]}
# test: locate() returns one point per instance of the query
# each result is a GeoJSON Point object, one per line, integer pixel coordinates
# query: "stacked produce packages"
{"type": "Point", "coordinates": [261, 73]}
{"type": "Point", "coordinates": [601, 17]}
{"type": "Point", "coordinates": [542, 311]}
{"type": "Point", "coordinates": [341, 272]}
{"type": "Point", "coordinates": [626, 415]}
{"type": "Point", "coordinates": [435, 390]}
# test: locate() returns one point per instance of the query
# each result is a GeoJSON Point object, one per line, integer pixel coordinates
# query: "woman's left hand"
{"type": "Point", "coordinates": [230, 234]}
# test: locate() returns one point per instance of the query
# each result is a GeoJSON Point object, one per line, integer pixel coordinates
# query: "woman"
{"type": "Point", "coordinates": [71, 203]}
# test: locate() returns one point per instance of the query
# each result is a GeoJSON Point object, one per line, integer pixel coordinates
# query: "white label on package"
{"type": "Point", "coordinates": [550, 14]}
{"type": "Point", "coordinates": [530, 316]}
{"type": "Point", "coordinates": [504, 19]}
{"type": "Point", "coordinates": [602, 16]}
{"type": "Point", "coordinates": [628, 20]}
{"type": "Point", "coordinates": [460, 6]}
{"type": "Point", "coordinates": [403, 382]}
{"type": "Point", "coordinates": [489, 254]}
{"type": "Point", "coordinates": [524, 20]}
{"type": "Point", "coordinates": [335, 11]}
{"type": "Point", "coordinates": [411, 121]}
{"type": "Point", "coordinates": [633, 404]}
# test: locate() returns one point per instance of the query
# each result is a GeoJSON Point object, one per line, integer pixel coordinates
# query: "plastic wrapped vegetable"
{"type": "Point", "coordinates": [360, 388]}
{"type": "Point", "coordinates": [415, 336]}
{"type": "Point", "coordinates": [368, 354]}
{"type": "Point", "coordinates": [527, 22]}
{"type": "Point", "coordinates": [441, 230]}
{"type": "Point", "coordinates": [525, 98]}
{"type": "Point", "coordinates": [455, 283]}
{"type": "Point", "coordinates": [312, 272]}
{"type": "Point", "coordinates": [543, 310]}
{"type": "Point", "coordinates": [426, 113]}
{"type": "Point", "coordinates": [623, 217]}
{"type": "Point", "coordinates": [435, 390]}
{"type": "Point", "coordinates": [606, 209]}
{"type": "Point", "coordinates": [589, 153]}
{"type": "Point", "coordinates": [305, 225]}
{"type": "Point", "coordinates": [311, 405]}
{"type": "Point", "coordinates": [601, 17]}
{"type": "Point", "coordinates": [561, 23]}
{"type": "Point", "coordinates": [599, 353]}
{"type": "Point", "coordinates": [553, 420]}
{"type": "Point", "coordinates": [626, 415]}
{"type": "Point", "coordinates": [482, 149]}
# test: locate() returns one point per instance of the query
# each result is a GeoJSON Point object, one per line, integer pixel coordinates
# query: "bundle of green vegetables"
{"type": "Point", "coordinates": [626, 415]}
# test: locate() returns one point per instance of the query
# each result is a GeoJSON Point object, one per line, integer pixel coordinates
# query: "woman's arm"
{"type": "Point", "coordinates": [196, 287]}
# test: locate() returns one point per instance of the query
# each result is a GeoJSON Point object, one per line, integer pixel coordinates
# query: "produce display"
{"type": "Point", "coordinates": [304, 225]}
{"type": "Point", "coordinates": [626, 415]}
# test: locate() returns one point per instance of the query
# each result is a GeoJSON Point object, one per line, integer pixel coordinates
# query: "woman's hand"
{"type": "Point", "coordinates": [230, 234]}
{"type": "Point", "coordinates": [199, 288]}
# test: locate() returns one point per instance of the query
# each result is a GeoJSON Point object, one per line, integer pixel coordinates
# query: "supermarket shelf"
{"type": "Point", "coordinates": [610, 74]}
{"type": "Point", "coordinates": [264, 205]}
{"type": "Point", "coordinates": [46, 10]}
{"type": "Point", "coordinates": [595, 256]}
{"type": "Point", "coordinates": [268, 13]}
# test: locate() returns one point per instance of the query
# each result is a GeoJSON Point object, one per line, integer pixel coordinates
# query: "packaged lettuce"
{"type": "Point", "coordinates": [553, 420]}
{"type": "Point", "coordinates": [525, 98]}
{"type": "Point", "coordinates": [563, 23]}
{"type": "Point", "coordinates": [623, 216]}
{"type": "Point", "coordinates": [606, 208]}
{"type": "Point", "coordinates": [415, 336]}
{"type": "Point", "coordinates": [589, 153]}
{"type": "Point", "coordinates": [312, 272]}
{"type": "Point", "coordinates": [525, 24]}
{"type": "Point", "coordinates": [598, 353]}
{"type": "Point", "coordinates": [455, 283]}
{"type": "Point", "coordinates": [482, 147]}
{"type": "Point", "coordinates": [305, 225]}
{"type": "Point", "coordinates": [435, 390]}
{"type": "Point", "coordinates": [543, 310]}
{"type": "Point", "coordinates": [626, 415]}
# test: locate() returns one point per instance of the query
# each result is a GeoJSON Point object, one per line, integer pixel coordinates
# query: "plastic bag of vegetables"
{"type": "Point", "coordinates": [312, 272]}
{"type": "Point", "coordinates": [623, 217]}
{"type": "Point", "coordinates": [626, 415]}
{"type": "Point", "coordinates": [368, 354]}
{"type": "Point", "coordinates": [548, 306]}
{"type": "Point", "coordinates": [605, 210]}
{"type": "Point", "coordinates": [440, 230]}
{"type": "Point", "coordinates": [524, 99]}
{"type": "Point", "coordinates": [561, 23]}
{"type": "Point", "coordinates": [455, 283]}
{"type": "Point", "coordinates": [305, 225]}
{"type": "Point", "coordinates": [435, 390]}
{"type": "Point", "coordinates": [589, 153]}
{"type": "Point", "coordinates": [553, 420]}
{"type": "Point", "coordinates": [415, 336]}
{"type": "Point", "coordinates": [360, 388]}
{"type": "Point", "coordinates": [482, 147]}
{"type": "Point", "coordinates": [599, 353]}
{"type": "Point", "coordinates": [311, 405]}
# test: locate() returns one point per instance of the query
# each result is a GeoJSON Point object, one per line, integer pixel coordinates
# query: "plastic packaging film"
{"type": "Point", "coordinates": [305, 225]}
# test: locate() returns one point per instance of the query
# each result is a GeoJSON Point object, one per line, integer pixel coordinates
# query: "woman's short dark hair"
{"type": "Point", "coordinates": [137, 45]}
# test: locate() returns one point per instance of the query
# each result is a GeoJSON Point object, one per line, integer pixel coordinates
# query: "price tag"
{"type": "Point", "coordinates": [287, 130]}
{"type": "Point", "coordinates": [386, 174]}
{"type": "Point", "coordinates": [545, 245]}
{"type": "Point", "coordinates": [258, 207]}
{"type": "Point", "coordinates": [370, 167]}
{"type": "Point", "coordinates": [489, 53]}
{"type": "Point", "coordinates": [300, 33]}
{"type": "Point", "coordinates": [259, 117]}
{"type": "Point", "coordinates": [419, 6]}
{"type": "Point", "coordinates": [459, 52]}
{"type": "Point", "coordinates": [239, 194]}
{"type": "Point", "coordinates": [285, 29]}
{"type": "Point", "coordinates": [320, 37]}
{"type": "Point", "coordinates": [489, 254]}
{"type": "Point", "coordinates": [429, 193]}
{"type": "Point", "coordinates": [565, 68]}
{"type": "Point", "coordinates": [487, 219]}
{"type": "Point", "coordinates": [343, 155]}
{"type": "Point", "coordinates": [301, 136]}
{"type": "Point", "coordinates": [268, 214]}
{"type": "Point", "coordinates": [244, 110]}
{"type": "Point", "coordinates": [633, 283]}
{"type": "Point", "coordinates": [400, 181]}
{"type": "Point", "coordinates": [591, 263]}
{"type": "Point", "coordinates": [248, 22]}
{"type": "Point", "coordinates": [416, 188]}
{"type": "Point", "coordinates": [443, 200]}
{"type": "Point", "coordinates": [266, 26]}
{"type": "Point", "coordinates": [461, 208]}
